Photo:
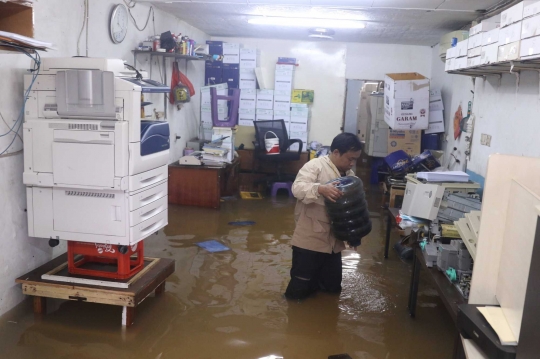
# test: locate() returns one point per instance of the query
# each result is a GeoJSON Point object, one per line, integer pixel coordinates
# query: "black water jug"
{"type": "Point", "coordinates": [349, 215]}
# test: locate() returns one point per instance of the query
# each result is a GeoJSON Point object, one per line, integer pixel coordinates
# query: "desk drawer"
{"type": "Point", "coordinates": [144, 213]}
{"type": "Point", "coordinates": [148, 196]}
{"type": "Point", "coordinates": [148, 227]}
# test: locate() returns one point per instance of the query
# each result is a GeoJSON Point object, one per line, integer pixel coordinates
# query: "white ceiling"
{"type": "Point", "coordinates": [412, 22]}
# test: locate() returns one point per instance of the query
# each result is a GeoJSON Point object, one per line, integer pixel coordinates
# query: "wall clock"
{"type": "Point", "coordinates": [119, 23]}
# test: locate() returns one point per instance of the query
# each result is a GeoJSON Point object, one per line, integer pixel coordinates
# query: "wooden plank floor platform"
{"type": "Point", "coordinates": [152, 280]}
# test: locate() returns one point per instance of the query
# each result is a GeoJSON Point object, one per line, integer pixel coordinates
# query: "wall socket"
{"type": "Point", "coordinates": [485, 140]}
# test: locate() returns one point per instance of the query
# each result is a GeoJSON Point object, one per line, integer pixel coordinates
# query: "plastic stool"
{"type": "Point", "coordinates": [281, 185]}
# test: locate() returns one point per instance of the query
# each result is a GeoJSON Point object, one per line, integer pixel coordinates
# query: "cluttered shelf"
{"type": "Point", "coordinates": [506, 67]}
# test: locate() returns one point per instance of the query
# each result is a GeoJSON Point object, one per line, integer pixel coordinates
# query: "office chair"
{"type": "Point", "coordinates": [278, 127]}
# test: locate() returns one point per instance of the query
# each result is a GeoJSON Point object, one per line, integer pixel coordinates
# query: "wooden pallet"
{"type": "Point", "coordinates": [151, 280]}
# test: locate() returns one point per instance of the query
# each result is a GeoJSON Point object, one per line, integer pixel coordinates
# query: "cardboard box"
{"type": "Point", "coordinates": [231, 53]}
{"type": "Point", "coordinates": [474, 61]}
{"type": "Point", "coordinates": [215, 47]}
{"type": "Point", "coordinates": [490, 54]}
{"type": "Point", "coordinates": [221, 89]}
{"type": "Point", "coordinates": [462, 47]}
{"type": "Point", "coordinates": [248, 79]}
{"type": "Point", "coordinates": [298, 127]}
{"type": "Point", "coordinates": [265, 99]}
{"type": "Point", "coordinates": [514, 14]}
{"type": "Point", "coordinates": [448, 65]}
{"type": "Point", "coordinates": [248, 99]}
{"type": "Point", "coordinates": [510, 34]}
{"type": "Point", "coordinates": [452, 53]}
{"type": "Point", "coordinates": [283, 85]}
{"type": "Point", "coordinates": [406, 101]}
{"type": "Point", "coordinates": [530, 27]}
{"type": "Point", "coordinates": [490, 37]}
{"type": "Point", "coordinates": [299, 105]}
{"type": "Point", "coordinates": [249, 54]}
{"type": "Point", "coordinates": [231, 75]}
{"type": "Point", "coordinates": [248, 84]}
{"type": "Point", "coordinates": [435, 101]}
{"type": "Point", "coordinates": [509, 52]}
{"type": "Point", "coordinates": [264, 115]}
{"type": "Point", "coordinates": [436, 122]}
{"type": "Point", "coordinates": [282, 115]}
{"type": "Point", "coordinates": [249, 63]}
{"type": "Point", "coordinates": [250, 112]}
{"type": "Point", "coordinates": [474, 41]}
{"type": "Point", "coordinates": [460, 63]}
{"type": "Point", "coordinates": [475, 52]}
{"type": "Point", "coordinates": [246, 118]}
{"type": "Point", "coordinates": [213, 74]}
{"type": "Point", "coordinates": [530, 48]}
{"type": "Point", "coordinates": [303, 96]}
{"type": "Point", "coordinates": [408, 141]}
{"type": "Point", "coordinates": [206, 113]}
{"type": "Point", "coordinates": [483, 27]}
{"type": "Point", "coordinates": [531, 10]}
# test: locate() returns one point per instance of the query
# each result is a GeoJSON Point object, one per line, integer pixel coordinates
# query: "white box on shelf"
{"type": "Point", "coordinates": [246, 123]}
{"type": "Point", "coordinates": [406, 101]}
{"type": "Point", "coordinates": [231, 59]}
{"type": "Point", "coordinates": [477, 51]}
{"type": "Point", "coordinates": [461, 63]}
{"type": "Point", "coordinates": [282, 106]}
{"type": "Point", "coordinates": [436, 122]}
{"type": "Point", "coordinates": [285, 70]}
{"type": "Point", "coordinates": [474, 41]}
{"type": "Point", "coordinates": [264, 115]}
{"type": "Point", "coordinates": [452, 53]}
{"type": "Point", "coordinates": [514, 14]}
{"type": "Point", "coordinates": [248, 74]}
{"type": "Point", "coordinates": [530, 27]}
{"type": "Point", "coordinates": [248, 84]}
{"type": "Point", "coordinates": [249, 112]}
{"type": "Point", "coordinates": [283, 93]}
{"type": "Point", "coordinates": [249, 63]}
{"type": "Point", "coordinates": [282, 115]}
{"type": "Point", "coordinates": [298, 127]}
{"type": "Point", "coordinates": [531, 10]}
{"type": "Point", "coordinates": [222, 90]}
{"type": "Point", "coordinates": [490, 37]}
{"type": "Point", "coordinates": [248, 98]}
{"type": "Point", "coordinates": [283, 85]}
{"type": "Point", "coordinates": [299, 105]}
{"type": "Point", "coordinates": [530, 47]}
{"type": "Point", "coordinates": [206, 112]}
{"type": "Point", "coordinates": [490, 54]}
{"type": "Point", "coordinates": [509, 52]}
{"type": "Point", "coordinates": [474, 61]}
{"type": "Point", "coordinates": [265, 99]}
{"type": "Point", "coordinates": [448, 64]}
{"type": "Point", "coordinates": [246, 117]}
{"type": "Point", "coordinates": [510, 34]}
{"type": "Point", "coordinates": [249, 54]}
{"type": "Point", "coordinates": [482, 28]}
{"type": "Point", "coordinates": [462, 48]}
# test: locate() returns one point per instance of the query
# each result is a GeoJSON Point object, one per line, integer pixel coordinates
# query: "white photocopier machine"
{"type": "Point", "coordinates": [95, 171]}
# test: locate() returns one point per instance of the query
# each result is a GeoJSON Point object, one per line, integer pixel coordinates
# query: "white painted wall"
{"type": "Point", "coordinates": [511, 119]}
{"type": "Point", "coordinates": [373, 61]}
{"type": "Point", "coordinates": [59, 22]}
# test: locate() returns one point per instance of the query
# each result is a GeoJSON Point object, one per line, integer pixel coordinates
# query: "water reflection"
{"type": "Point", "coordinates": [230, 304]}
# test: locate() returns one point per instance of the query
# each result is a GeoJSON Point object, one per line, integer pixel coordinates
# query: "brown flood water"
{"type": "Point", "coordinates": [230, 304]}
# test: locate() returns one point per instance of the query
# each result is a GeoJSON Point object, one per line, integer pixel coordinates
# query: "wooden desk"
{"type": "Point", "coordinates": [202, 186]}
{"type": "Point", "coordinates": [248, 163]}
{"type": "Point", "coordinates": [449, 294]}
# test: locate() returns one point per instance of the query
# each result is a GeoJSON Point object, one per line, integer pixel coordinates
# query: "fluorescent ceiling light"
{"type": "Point", "coordinates": [307, 22]}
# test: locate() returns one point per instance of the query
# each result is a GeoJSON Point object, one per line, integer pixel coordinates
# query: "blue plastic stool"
{"type": "Point", "coordinates": [282, 185]}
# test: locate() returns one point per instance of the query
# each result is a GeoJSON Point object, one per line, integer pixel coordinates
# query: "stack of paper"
{"type": "Point", "coordinates": [24, 41]}
{"type": "Point", "coordinates": [449, 176]}
{"type": "Point", "coordinates": [495, 317]}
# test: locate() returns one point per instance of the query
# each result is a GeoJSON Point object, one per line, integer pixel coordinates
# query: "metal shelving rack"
{"type": "Point", "coordinates": [164, 56]}
{"type": "Point", "coordinates": [500, 68]}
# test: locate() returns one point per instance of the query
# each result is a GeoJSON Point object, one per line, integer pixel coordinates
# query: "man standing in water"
{"type": "Point", "coordinates": [316, 263]}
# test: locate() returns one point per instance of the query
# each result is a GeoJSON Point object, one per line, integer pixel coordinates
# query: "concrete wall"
{"type": "Point", "coordinates": [510, 117]}
{"type": "Point", "coordinates": [59, 22]}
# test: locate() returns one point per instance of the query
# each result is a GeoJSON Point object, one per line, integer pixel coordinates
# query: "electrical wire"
{"type": "Point", "coordinates": [35, 72]}
{"type": "Point", "coordinates": [131, 4]}
{"type": "Point", "coordinates": [150, 12]}
{"type": "Point", "coordinates": [82, 28]}
{"type": "Point", "coordinates": [2, 117]}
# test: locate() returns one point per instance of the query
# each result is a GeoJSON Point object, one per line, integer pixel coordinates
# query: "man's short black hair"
{"type": "Point", "coordinates": [346, 142]}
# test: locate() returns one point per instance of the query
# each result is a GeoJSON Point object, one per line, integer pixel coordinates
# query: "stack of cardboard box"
{"type": "Point", "coordinates": [206, 107]}
{"type": "Point", "coordinates": [477, 40]}
{"type": "Point", "coordinates": [436, 117]}
{"type": "Point", "coordinates": [530, 32]}
{"type": "Point", "coordinates": [510, 32]}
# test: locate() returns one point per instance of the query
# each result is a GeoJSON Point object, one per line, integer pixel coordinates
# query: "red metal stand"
{"type": "Point", "coordinates": [127, 266]}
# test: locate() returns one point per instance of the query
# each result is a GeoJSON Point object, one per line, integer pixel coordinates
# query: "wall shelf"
{"type": "Point", "coordinates": [499, 68]}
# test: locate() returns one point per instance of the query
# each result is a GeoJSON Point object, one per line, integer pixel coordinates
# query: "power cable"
{"type": "Point", "coordinates": [82, 28]}
{"type": "Point", "coordinates": [150, 12]}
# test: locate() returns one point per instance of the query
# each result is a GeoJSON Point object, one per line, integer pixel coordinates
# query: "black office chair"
{"type": "Point", "coordinates": [277, 127]}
